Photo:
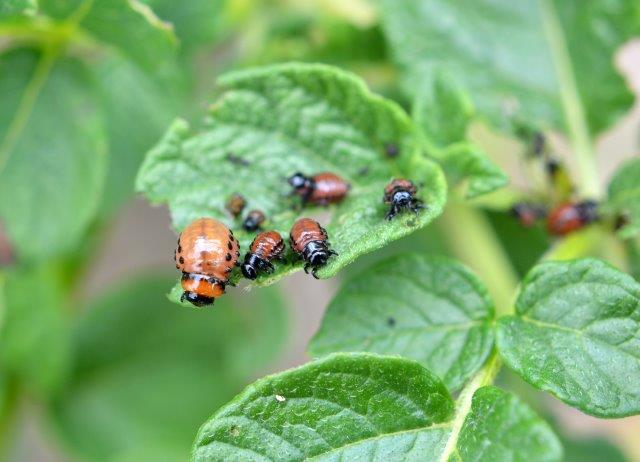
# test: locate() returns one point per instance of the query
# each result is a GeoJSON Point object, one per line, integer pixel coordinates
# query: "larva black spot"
{"type": "Point", "coordinates": [181, 260]}
{"type": "Point", "coordinates": [229, 245]}
{"type": "Point", "coordinates": [228, 257]}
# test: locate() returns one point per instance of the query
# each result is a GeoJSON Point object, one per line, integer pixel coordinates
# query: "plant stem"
{"type": "Point", "coordinates": [483, 377]}
{"type": "Point", "coordinates": [473, 241]}
{"type": "Point", "coordinates": [572, 105]}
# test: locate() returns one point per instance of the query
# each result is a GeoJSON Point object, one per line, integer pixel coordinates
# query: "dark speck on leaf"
{"type": "Point", "coordinates": [363, 171]}
{"type": "Point", "coordinates": [411, 223]}
{"type": "Point", "coordinates": [7, 256]}
{"type": "Point", "coordinates": [552, 166]}
{"type": "Point", "coordinates": [237, 160]}
{"type": "Point", "coordinates": [234, 431]}
{"type": "Point", "coordinates": [621, 221]}
{"type": "Point", "coordinates": [538, 143]}
{"type": "Point", "coordinates": [391, 322]}
{"type": "Point", "coordinates": [392, 150]}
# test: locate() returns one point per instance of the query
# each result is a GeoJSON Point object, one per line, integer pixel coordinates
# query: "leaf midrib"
{"type": "Point", "coordinates": [403, 330]}
{"type": "Point", "coordinates": [380, 436]}
{"type": "Point", "coordinates": [579, 333]}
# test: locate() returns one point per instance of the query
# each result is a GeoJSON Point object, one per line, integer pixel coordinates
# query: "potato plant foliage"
{"type": "Point", "coordinates": [189, 103]}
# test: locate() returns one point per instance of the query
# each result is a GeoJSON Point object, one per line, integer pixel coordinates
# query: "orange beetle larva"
{"type": "Point", "coordinates": [206, 254]}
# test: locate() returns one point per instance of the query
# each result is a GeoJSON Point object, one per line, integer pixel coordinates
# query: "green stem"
{"type": "Point", "coordinates": [473, 241]}
{"type": "Point", "coordinates": [573, 109]}
{"type": "Point", "coordinates": [483, 377]}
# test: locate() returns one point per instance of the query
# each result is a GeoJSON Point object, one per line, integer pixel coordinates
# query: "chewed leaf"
{"type": "Point", "coordinates": [274, 121]}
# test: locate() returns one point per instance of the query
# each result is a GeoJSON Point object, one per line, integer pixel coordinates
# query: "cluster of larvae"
{"type": "Point", "coordinates": [208, 251]}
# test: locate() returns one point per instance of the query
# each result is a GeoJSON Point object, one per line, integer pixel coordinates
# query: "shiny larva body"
{"type": "Point", "coordinates": [253, 220]}
{"type": "Point", "coordinates": [400, 194]}
{"type": "Point", "coordinates": [569, 217]}
{"type": "Point", "coordinates": [310, 241]}
{"type": "Point", "coordinates": [206, 254]}
{"type": "Point", "coordinates": [321, 189]}
{"type": "Point", "coordinates": [266, 247]}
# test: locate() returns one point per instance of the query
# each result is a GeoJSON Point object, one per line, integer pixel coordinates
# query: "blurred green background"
{"type": "Point", "coordinates": [95, 363]}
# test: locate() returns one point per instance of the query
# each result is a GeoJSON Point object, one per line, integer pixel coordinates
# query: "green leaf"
{"type": "Point", "coordinates": [287, 118]}
{"type": "Point", "coordinates": [128, 25]}
{"type": "Point", "coordinates": [433, 310]}
{"type": "Point", "coordinates": [347, 406]}
{"type": "Point", "coordinates": [591, 450]}
{"type": "Point", "coordinates": [146, 374]}
{"type": "Point", "coordinates": [467, 162]}
{"type": "Point", "coordinates": [576, 334]}
{"type": "Point", "coordinates": [632, 247]}
{"type": "Point", "coordinates": [512, 234]}
{"type": "Point", "coordinates": [500, 427]}
{"type": "Point", "coordinates": [624, 196]}
{"type": "Point", "coordinates": [443, 110]}
{"type": "Point", "coordinates": [196, 22]}
{"type": "Point", "coordinates": [131, 98]}
{"type": "Point", "coordinates": [12, 8]}
{"type": "Point", "coordinates": [34, 333]}
{"type": "Point", "coordinates": [503, 53]}
{"type": "Point", "coordinates": [52, 139]}
{"type": "Point", "coordinates": [358, 406]}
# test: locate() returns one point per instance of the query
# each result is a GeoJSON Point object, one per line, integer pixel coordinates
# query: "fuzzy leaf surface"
{"type": "Point", "coordinates": [364, 407]}
{"type": "Point", "coordinates": [576, 334]}
{"type": "Point", "coordinates": [354, 406]}
{"type": "Point", "coordinates": [432, 310]}
{"type": "Point", "coordinates": [501, 427]}
{"type": "Point", "coordinates": [271, 122]}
